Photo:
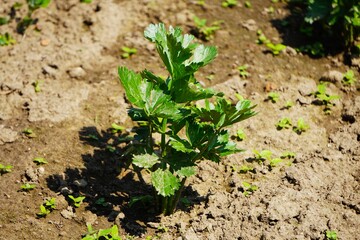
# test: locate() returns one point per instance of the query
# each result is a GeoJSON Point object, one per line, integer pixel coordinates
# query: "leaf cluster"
{"type": "Point", "coordinates": [189, 132]}
{"type": "Point", "coordinates": [334, 18]}
{"type": "Point", "coordinates": [275, 49]}
{"type": "Point", "coordinates": [6, 39]}
{"type": "Point", "coordinates": [46, 208]}
{"type": "Point", "coordinates": [109, 233]}
{"type": "Point", "coordinates": [349, 77]}
{"type": "Point", "coordinates": [28, 187]}
{"type": "Point", "coordinates": [5, 169]}
{"type": "Point", "coordinates": [204, 31]}
{"type": "Point", "coordinates": [27, 21]}
{"type": "Point", "coordinates": [266, 155]}
{"type": "Point", "coordinates": [324, 98]}
{"type": "Point", "coordinates": [76, 201]}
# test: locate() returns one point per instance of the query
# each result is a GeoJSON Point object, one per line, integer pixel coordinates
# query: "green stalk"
{"type": "Point", "coordinates": [163, 142]}
{"type": "Point", "coordinates": [150, 141]}
{"type": "Point", "coordinates": [176, 197]}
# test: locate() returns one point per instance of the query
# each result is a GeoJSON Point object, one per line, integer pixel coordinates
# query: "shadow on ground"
{"type": "Point", "coordinates": [305, 37]}
{"type": "Point", "coordinates": [110, 186]}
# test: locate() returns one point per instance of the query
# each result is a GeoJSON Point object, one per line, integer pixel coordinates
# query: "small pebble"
{"type": "Point", "coordinates": [44, 42]}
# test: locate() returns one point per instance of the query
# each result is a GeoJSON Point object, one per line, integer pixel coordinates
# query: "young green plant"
{"type": "Point", "coordinates": [33, 5]}
{"type": "Point", "coordinates": [249, 188]}
{"type": "Point", "coordinates": [283, 123]}
{"type": "Point", "coordinates": [273, 97]}
{"type": "Point", "coordinates": [110, 233]}
{"type": "Point", "coordinates": [40, 160]}
{"type": "Point", "coordinates": [128, 52]}
{"type": "Point", "coordinates": [349, 77]}
{"type": "Point", "coordinates": [5, 169]}
{"type": "Point", "coordinates": [324, 98]}
{"type": "Point", "coordinates": [229, 3]}
{"type": "Point", "coordinates": [188, 133]}
{"type": "Point", "coordinates": [243, 71]}
{"type": "Point", "coordinates": [6, 39]}
{"type": "Point", "coordinates": [46, 208]}
{"type": "Point", "coordinates": [206, 32]}
{"type": "Point", "coordinates": [301, 126]}
{"type": "Point", "coordinates": [76, 201]}
{"type": "Point", "coordinates": [27, 187]}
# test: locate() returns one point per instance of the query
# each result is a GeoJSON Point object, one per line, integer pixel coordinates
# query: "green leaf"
{"type": "Point", "coordinates": [145, 160]}
{"type": "Point", "coordinates": [145, 95]}
{"type": "Point", "coordinates": [331, 235]}
{"type": "Point", "coordinates": [275, 161]}
{"type": "Point", "coordinates": [182, 59]}
{"type": "Point", "coordinates": [34, 4]}
{"type": "Point", "coordinates": [317, 10]}
{"type": "Point", "coordinates": [131, 82]}
{"type": "Point", "coordinates": [181, 145]}
{"type": "Point", "coordinates": [28, 186]}
{"type": "Point", "coordinates": [165, 182]}
{"type": "Point", "coordinates": [186, 171]}
{"type": "Point", "coordinates": [116, 128]}
{"type": "Point", "coordinates": [5, 169]}
{"type": "Point", "coordinates": [233, 114]}
{"type": "Point", "coordinates": [40, 160]}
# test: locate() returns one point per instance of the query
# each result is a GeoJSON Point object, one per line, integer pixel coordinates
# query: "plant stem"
{"type": "Point", "coordinates": [150, 140]}
{"type": "Point", "coordinates": [176, 197]}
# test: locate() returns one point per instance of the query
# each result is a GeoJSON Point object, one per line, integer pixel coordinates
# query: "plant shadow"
{"type": "Point", "coordinates": [305, 37]}
{"type": "Point", "coordinates": [109, 185]}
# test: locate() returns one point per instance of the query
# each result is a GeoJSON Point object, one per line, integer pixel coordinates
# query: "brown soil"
{"type": "Point", "coordinates": [75, 58]}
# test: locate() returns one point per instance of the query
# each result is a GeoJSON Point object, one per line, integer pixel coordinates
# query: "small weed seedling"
{"type": "Point", "coordinates": [262, 39]}
{"type": "Point", "coordinates": [245, 169]}
{"type": "Point", "coordinates": [288, 105]}
{"type": "Point", "coordinates": [275, 161]}
{"type": "Point", "coordinates": [27, 187]}
{"type": "Point", "coordinates": [206, 32]}
{"type": "Point", "coordinates": [301, 126]}
{"type": "Point", "coordinates": [243, 71]}
{"type": "Point", "coordinates": [262, 156]}
{"type": "Point", "coordinates": [247, 4]}
{"type": "Point", "coordinates": [76, 201]}
{"type": "Point", "coordinates": [33, 5]}
{"type": "Point", "coordinates": [283, 123]}
{"type": "Point", "coordinates": [249, 188]}
{"type": "Point", "coordinates": [276, 48]}
{"type": "Point", "coordinates": [200, 2]}
{"type": "Point", "coordinates": [324, 98]}
{"type": "Point", "coordinates": [50, 204]}
{"type": "Point", "coordinates": [349, 78]}
{"type": "Point", "coordinates": [273, 97]}
{"type": "Point", "coordinates": [189, 133]}
{"type": "Point", "coordinates": [6, 39]}
{"type": "Point", "coordinates": [128, 52]}
{"type": "Point", "coordinates": [40, 161]}
{"type": "Point", "coordinates": [43, 212]}
{"type": "Point", "coordinates": [29, 133]}
{"type": "Point", "coordinates": [86, 1]}
{"type": "Point", "coordinates": [331, 235]}
{"type": "Point", "coordinates": [288, 154]}
{"type": "Point", "coordinates": [110, 233]}
{"type": "Point", "coordinates": [46, 208]}
{"type": "Point", "coordinates": [5, 169]}
{"type": "Point", "coordinates": [240, 135]}
{"type": "Point", "coordinates": [116, 128]}
{"type": "Point", "coordinates": [36, 85]}
{"type": "Point", "coordinates": [229, 3]}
